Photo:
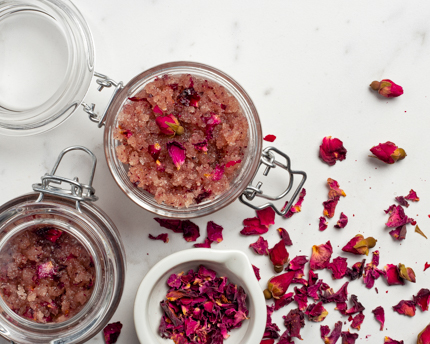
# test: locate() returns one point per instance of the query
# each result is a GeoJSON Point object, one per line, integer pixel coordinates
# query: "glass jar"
{"type": "Point", "coordinates": [71, 211]}
{"type": "Point", "coordinates": [242, 186]}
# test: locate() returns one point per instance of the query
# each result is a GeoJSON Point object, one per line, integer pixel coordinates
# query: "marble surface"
{"type": "Point", "coordinates": [307, 66]}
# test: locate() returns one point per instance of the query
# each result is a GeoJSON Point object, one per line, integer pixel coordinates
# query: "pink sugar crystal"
{"type": "Point", "coordinates": [215, 134]}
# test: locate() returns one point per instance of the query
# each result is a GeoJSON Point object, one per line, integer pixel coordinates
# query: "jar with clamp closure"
{"type": "Point", "coordinates": [62, 262]}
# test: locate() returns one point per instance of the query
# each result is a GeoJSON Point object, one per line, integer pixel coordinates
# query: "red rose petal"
{"type": "Point", "coordinates": [297, 208]}
{"type": "Point", "coordinates": [163, 236]}
{"type": "Point", "coordinates": [388, 152]}
{"type": "Point", "coordinates": [330, 207]}
{"type": "Point", "coordinates": [392, 275]}
{"type": "Point", "coordinates": [283, 301]}
{"type": "Point", "coordinates": [412, 196]}
{"type": "Point", "coordinates": [269, 138]}
{"type": "Point", "coordinates": [272, 330]}
{"type": "Point", "coordinates": [349, 247]}
{"type": "Point", "coordinates": [191, 230]}
{"type": "Point", "coordinates": [256, 272]}
{"type": "Point", "coordinates": [278, 254]}
{"type": "Point", "coordinates": [335, 190]}
{"type": "Point", "coordinates": [285, 236]}
{"type": "Point", "coordinates": [321, 256]}
{"type": "Point", "coordinates": [335, 334]}
{"type": "Point", "coordinates": [232, 163]}
{"type": "Point", "coordinates": [174, 225]}
{"type": "Point", "coordinates": [301, 298]}
{"type": "Point", "coordinates": [294, 321]}
{"type": "Point", "coordinates": [156, 109]}
{"type": "Point", "coordinates": [388, 340]}
{"type": "Point", "coordinates": [356, 306]}
{"type": "Point", "coordinates": [261, 246]}
{"type": "Point", "coordinates": [279, 284]}
{"type": "Point", "coordinates": [177, 153]}
{"type": "Point", "coordinates": [323, 224]}
{"type": "Point", "coordinates": [397, 216]}
{"type": "Point", "coordinates": [422, 299]}
{"type": "Point", "coordinates": [154, 150]}
{"type": "Point", "coordinates": [349, 338]}
{"type": "Point", "coordinates": [426, 266]}
{"type": "Point", "coordinates": [218, 172]}
{"type": "Point", "coordinates": [111, 332]}
{"type": "Point", "coordinates": [316, 312]}
{"type": "Point", "coordinates": [332, 150]}
{"type": "Point", "coordinates": [405, 308]}
{"type": "Point", "coordinates": [201, 146]}
{"type": "Point", "coordinates": [252, 226]}
{"type": "Point", "coordinates": [340, 296]}
{"type": "Point", "coordinates": [402, 201]}
{"type": "Point", "coordinates": [338, 267]}
{"type": "Point", "coordinates": [371, 272]}
{"type": "Point", "coordinates": [357, 321]}
{"type": "Point", "coordinates": [206, 244]}
{"type": "Point", "coordinates": [343, 221]}
{"type": "Point", "coordinates": [49, 233]}
{"type": "Point", "coordinates": [424, 336]}
{"type": "Point", "coordinates": [399, 233]}
{"type": "Point", "coordinates": [214, 232]}
{"type": "Point", "coordinates": [266, 216]}
{"type": "Point", "coordinates": [379, 316]}
{"type": "Point", "coordinates": [356, 271]}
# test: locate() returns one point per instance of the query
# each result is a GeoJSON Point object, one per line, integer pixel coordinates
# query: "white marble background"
{"type": "Point", "coordinates": [307, 66]}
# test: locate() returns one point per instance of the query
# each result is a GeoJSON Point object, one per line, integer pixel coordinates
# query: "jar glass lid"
{"type": "Point", "coordinates": [46, 64]}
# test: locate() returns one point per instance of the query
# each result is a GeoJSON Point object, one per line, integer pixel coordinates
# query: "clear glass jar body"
{"type": "Point", "coordinates": [98, 235]}
{"type": "Point", "coordinates": [249, 163]}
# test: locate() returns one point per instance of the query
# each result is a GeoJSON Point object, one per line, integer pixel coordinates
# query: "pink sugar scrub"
{"type": "Point", "coordinates": [46, 275]}
{"type": "Point", "coordinates": [183, 139]}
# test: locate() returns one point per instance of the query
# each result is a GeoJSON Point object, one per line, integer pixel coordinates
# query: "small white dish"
{"type": "Point", "coordinates": [233, 264]}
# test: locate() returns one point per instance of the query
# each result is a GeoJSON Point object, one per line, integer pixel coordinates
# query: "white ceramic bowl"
{"type": "Point", "coordinates": [233, 264]}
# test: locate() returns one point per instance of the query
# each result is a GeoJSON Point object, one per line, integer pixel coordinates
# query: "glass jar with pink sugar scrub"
{"type": "Point", "coordinates": [62, 262]}
{"type": "Point", "coordinates": [181, 139]}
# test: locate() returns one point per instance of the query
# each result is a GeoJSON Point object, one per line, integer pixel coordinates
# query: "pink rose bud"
{"type": "Point", "coordinates": [169, 125]}
{"type": "Point", "coordinates": [387, 88]}
{"type": "Point", "coordinates": [388, 152]}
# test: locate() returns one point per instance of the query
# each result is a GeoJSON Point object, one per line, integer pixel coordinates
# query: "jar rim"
{"type": "Point", "coordinates": [249, 165]}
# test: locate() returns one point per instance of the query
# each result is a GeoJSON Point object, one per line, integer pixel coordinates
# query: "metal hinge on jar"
{"type": "Point", "coordinates": [268, 159]}
{"type": "Point", "coordinates": [77, 192]}
{"type": "Point", "coordinates": [103, 81]}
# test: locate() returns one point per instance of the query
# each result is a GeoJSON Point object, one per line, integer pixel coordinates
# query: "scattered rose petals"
{"type": "Point", "coordinates": [388, 340]}
{"type": "Point", "coordinates": [388, 152]}
{"type": "Point", "coordinates": [343, 221]}
{"type": "Point", "coordinates": [269, 138]}
{"type": "Point", "coordinates": [406, 273]}
{"type": "Point", "coordinates": [412, 196]}
{"type": "Point", "coordinates": [214, 232]}
{"type": "Point", "coordinates": [402, 201]}
{"type": "Point", "coordinates": [252, 226]}
{"type": "Point", "coordinates": [335, 190]}
{"type": "Point", "coordinates": [261, 246]}
{"type": "Point", "coordinates": [356, 306]}
{"type": "Point", "coordinates": [357, 321]}
{"type": "Point", "coordinates": [316, 312]}
{"type": "Point", "coordinates": [266, 216]}
{"type": "Point", "coordinates": [169, 125]}
{"type": "Point", "coordinates": [294, 321]}
{"type": "Point", "coordinates": [334, 335]}
{"type": "Point", "coordinates": [283, 301]}
{"type": "Point", "coordinates": [349, 338]}
{"type": "Point", "coordinates": [422, 299]}
{"type": "Point", "coordinates": [297, 208]}
{"type": "Point", "coordinates": [191, 230]}
{"type": "Point", "coordinates": [256, 272]}
{"type": "Point", "coordinates": [332, 150]}
{"type": "Point", "coordinates": [371, 272]}
{"type": "Point", "coordinates": [163, 236]}
{"type": "Point", "coordinates": [379, 316]}
{"type": "Point", "coordinates": [397, 216]}
{"type": "Point", "coordinates": [111, 332]}
{"type": "Point", "coordinates": [232, 163]}
{"type": "Point", "coordinates": [387, 88]}
{"type": "Point", "coordinates": [177, 153]}
{"type": "Point", "coordinates": [321, 256]}
{"type": "Point", "coordinates": [399, 233]}
{"type": "Point", "coordinates": [356, 271]}
{"type": "Point", "coordinates": [323, 224]}
{"type": "Point", "coordinates": [392, 275]}
{"type": "Point", "coordinates": [285, 236]}
{"type": "Point", "coordinates": [330, 207]}
{"type": "Point", "coordinates": [424, 336]}
{"type": "Point", "coordinates": [338, 267]}
{"type": "Point", "coordinates": [405, 308]}
{"type": "Point", "coordinates": [419, 231]}
{"type": "Point", "coordinates": [278, 285]}
{"type": "Point", "coordinates": [278, 256]}
{"type": "Point", "coordinates": [206, 244]}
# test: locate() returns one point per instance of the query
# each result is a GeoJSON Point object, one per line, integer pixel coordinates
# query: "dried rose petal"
{"type": "Point", "coordinates": [388, 152]}
{"type": "Point", "coordinates": [111, 332]}
{"type": "Point", "coordinates": [283, 301]}
{"type": "Point", "coordinates": [218, 172]}
{"type": "Point", "coordinates": [285, 236]}
{"type": "Point", "coordinates": [294, 321]}
{"type": "Point", "coordinates": [399, 233]}
{"type": "Point", "coordinates": [424, 336]}
{"type": "Point", "coordinates": [298, 263]}
{"type": "Point", "coordinates": [177, 153]}
{"type": "Point", "coordinates": [154, 150]}
{"type": "Point", "coordinates": [279, 284]}
{"type": "Point", "coordinates": [266, 216]}
{"type": "Point", "coordinates": [206, 244]}
{"type": "Point", "coordinates": [232, 163]}
{"type": "Point", "coordinates": [419, 231]}
{"type": "Point", "coordinates": [316, 312]}
{"type": "Point", "coordinates": [356, 271]}
{"type": "Point", "coordinates": [330, 207]}
{"type": "Point", "coordinates": [321, 256]}
{"type": "Point", "coordinates": [356, 306]}
{"type": "Point", "coordinates": [157, 109]}
{"type": "Point", "coordinates": [272, 330]}
{"type": "Point", "coordinates": [388, 340]}
{"type": "Point", "coordinates": [412, 196]}
{"type": "Point", "coordinates": [279, 256]}
{"type": "Point", "coordinates": [402, 201]}
{"type": "Point", "coordinates": [343, 221]}
{"type": "Point", "coordinates": [335, 334]}
{"type": "Point", "coordinates": [371, 272]}
{"type": "Point", "coordinates": [392, 275]}
{"type": "Point", "coordinates": [340, 296]}
{"type": "Point", "coordinates": [169, 125]}
{"type": "Point", "coordinates": [174, 225]}
{"type": "Point", "coordinates": [189, 96]}
{"type": "Point", "coordinates": [426, 266]}
{"type": "Point", "coordinates": [267, 341]}
{"type": "Point", "coordinates": [323, 224]}
{"type": "Point", "coordinates": [335, 190]}
{"type": "Point", "coordinates": [359, 245]}
{"type": "Point", "coordinates": [191, 230]}
{"type": "Point", "coordinates": [338, 267]}
{"type": "Point", "coordinates": [332, 150]}
{"type": "Point", "coordinates": [341, 307]}
{"type": "Point", "coordinates": [397, 216]}
{"type": "Point", "coordinates": [211, 121]}
{"type": "Point", "coordinates": [269, 138]}
{"type": "Point", "coordinates": [379, 316]}
{"type": "Point", "coordinates": [301, 297]}
{"type": "Point", "coordinates": [137, 99]}
{"type": "Point", "coordinates": [349, 338]}
{"type": "Point", "coordinates": [297, 208]}
{"type": "Point", "coordinates": [405, 308]}
{"type": "Point", "coordinates": [357, 321]}
{"type": "Point", "coordinates": [163, 236]}
{"type": "Point", "coordinates": [256, 272]}
{"type": "Point", "coordinates": [253, 226]}
{"type": "Point", "coordinates": [46, 270]}
{"type": "Point", "coordinates": [201, 146]}
{"type": "Point", "coordinates": [261, 246]}
{"type": "Point", "coordinates": [49, 233]}
{"type": "Point", "coordinates": [214, 232]}
{"type": "Point", "coordinates": [406, 273]}
{"type": "Point", "coordinates": [387, 88]}
{"type": "Point", "coordinates": [422, 299]}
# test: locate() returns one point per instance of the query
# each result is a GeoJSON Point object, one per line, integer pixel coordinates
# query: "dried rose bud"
{"type": "Point", "coordinates": [424, 336]}
{"type": "Point", "coordinates": [332, 150]}
{"type": "Point", "coordinates": [388, 152]}
{"type": "Point", "coordinates": [407, 273]}
{"type": "Point", "coordinates": [387, 88]}
{"type": "Point", "coordinates": [279, 256]}
{"type": "Point", "coordinates": [169, 125]}
{"type": "Point", "coordinates": [177, 153]}
{"type": "Point", "coordinates": [278, 285]}
{"type": "Point", "coordinates": [363, 246]}
{"type": "Point", "coordinates": [392, 275]}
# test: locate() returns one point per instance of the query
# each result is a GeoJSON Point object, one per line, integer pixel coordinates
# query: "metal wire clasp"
{"type": "Point", "coordinates": [268, 159]}
{"type": "Point", "coordinates": [103, 81]}
{"type": "Point", "coordinates": [78, 192]}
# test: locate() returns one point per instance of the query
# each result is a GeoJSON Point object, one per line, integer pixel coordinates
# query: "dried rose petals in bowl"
{"type": "Point", "coordinates": [237, 270]}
